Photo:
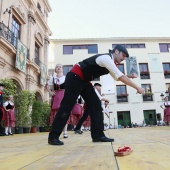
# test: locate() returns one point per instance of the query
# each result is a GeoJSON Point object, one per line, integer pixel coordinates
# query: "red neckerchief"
{"type": "Point", "coordinates": [0, 92]}
{"type": "Point", "coordinates": [116, 63]}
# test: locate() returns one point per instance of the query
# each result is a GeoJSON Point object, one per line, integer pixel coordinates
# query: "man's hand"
{"type": "Point", "coordinates": [140, 90]}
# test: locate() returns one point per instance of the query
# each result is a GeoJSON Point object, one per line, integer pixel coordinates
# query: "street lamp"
{"type": "Point", "coordinates": [167, 94]}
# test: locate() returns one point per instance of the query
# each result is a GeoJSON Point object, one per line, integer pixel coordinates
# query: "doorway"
{"type": "Point", "coordinates": [150, 117]}
{"type": "Point", "coordinates": [124, 118]}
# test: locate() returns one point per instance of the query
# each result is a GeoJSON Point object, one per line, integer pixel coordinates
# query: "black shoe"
{"type": "Point", "coordinates": [55, 142]}
{"type": "Point", "coordinates": [103, 139]}
{"type": "Point", "coordinates": [78, 131]}
{"type": "Point", "coordinates": [10, 133]}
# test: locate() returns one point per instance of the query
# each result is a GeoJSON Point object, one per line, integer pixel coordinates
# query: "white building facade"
{"type": "Point", "coordinates": [149, 58]}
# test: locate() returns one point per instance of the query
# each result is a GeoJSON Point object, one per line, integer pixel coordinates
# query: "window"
{"type": "Point", "coordinates": [16, 30]}
{"type": "Point", "coordinates": [164, 47]}
{"type": "Point", "coordinates": [166, 68]}
{"type": "Point", "coordinates": [121, 68]}
{"type": "Point", "coordinates": [36, 59]}
{"type": "Point", "coordinates": [144, 72]}
{"type": "Point", "coordinates": [68, 49]}
{"type": "Point", "coordinates": [131, 45]}
{"type": "Point", "coordinates": [67, 68]}
{"type": "Point", "coordinates": [121, 93]}
{"type": "Point", "coordinates": [147, 96]}
{"type": "Point", "coordinates": [92, 49]}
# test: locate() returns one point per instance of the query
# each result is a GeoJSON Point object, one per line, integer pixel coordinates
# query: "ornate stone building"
{"type": "Point", "coordinates": [24, 41]}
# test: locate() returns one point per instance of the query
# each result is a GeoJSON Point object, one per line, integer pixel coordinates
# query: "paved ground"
{"type": "Point", "coordinates": [151, 147]}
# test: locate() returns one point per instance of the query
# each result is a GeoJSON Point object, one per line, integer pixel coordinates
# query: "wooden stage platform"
{"type": "Point", "coordinates": [151, 147]}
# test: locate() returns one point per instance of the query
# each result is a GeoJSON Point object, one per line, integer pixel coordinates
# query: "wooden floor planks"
{"type": "Point", "coordinates": [31, 151]}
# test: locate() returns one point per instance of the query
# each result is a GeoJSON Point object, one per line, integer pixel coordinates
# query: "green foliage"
{"type": "Point", "coordinates": [45, 114]}
{"type": "Point", "coordinates": [10, 88]}
{"type": "Point", "coordinates": [37, 111]}
{"type": "Point", "coordinates": [23, 101]}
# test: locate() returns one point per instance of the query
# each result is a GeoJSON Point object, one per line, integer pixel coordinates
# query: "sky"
{"type": "Point", "coordinates": [71, 19]}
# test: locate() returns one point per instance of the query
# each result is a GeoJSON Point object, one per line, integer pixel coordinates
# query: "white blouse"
{"type": "Point", "coordinates": [8, 102]}
{"type": "Point", "coordinates": [57, 80]}
{"type": "Point", "coordinates": [165, 103]}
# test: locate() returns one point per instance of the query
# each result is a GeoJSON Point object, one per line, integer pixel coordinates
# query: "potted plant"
{"type": "Point", "coordinates": [122, 95]}
{"type": "Point", "coordinates": [23, 102]}
{"type": "Point", "coordinates": [166, 72]}
{"type": "Point", "coordinates": [148, 94]}
{"type": "Point", "coordinates": [144, 72]}
{"type": "Point", "coordinates": [36, 115]}
{"type": "Point", "coordinates": [44, 122]}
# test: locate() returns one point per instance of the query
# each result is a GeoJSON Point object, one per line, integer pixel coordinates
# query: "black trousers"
{"type": "Point", "coordinates": [82, 119]}
{"type": "Point", "coordinates": [74, 87]}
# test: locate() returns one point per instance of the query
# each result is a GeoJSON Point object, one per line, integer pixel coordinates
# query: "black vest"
{"type": "Point", "coordinates": [1, 100]}
{"type": "Point", "coordinates": [91, 69]}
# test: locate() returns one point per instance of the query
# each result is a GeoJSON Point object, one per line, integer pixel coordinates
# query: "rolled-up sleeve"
{"type": "Point", "coordinates": [107, 62]}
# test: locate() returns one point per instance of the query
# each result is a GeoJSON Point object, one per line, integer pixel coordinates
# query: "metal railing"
{"type": "Point", "coordinates": [38, 62]}
{"type": "Point", "coordinates": [8, 34]}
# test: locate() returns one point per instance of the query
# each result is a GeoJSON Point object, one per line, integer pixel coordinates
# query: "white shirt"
{"type": "Point", "coordinates": [57, 80]}
{"type": "Point", "coordinates": [105, 109]}
{"type": "Point", "coordinates": [108, 63]}
{"type": "Point", "coordinates": [98, 94]}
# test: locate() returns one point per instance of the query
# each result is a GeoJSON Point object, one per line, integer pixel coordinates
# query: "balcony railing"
{"type": "Point", "coordinates": [166, 73]}
{"type": "Point", "coordinates": [122, 98]}
{"type": "Point", "coordinates": [38, 62]}
{"type": "Point", "coordinates": [8, 34]}
{"type": "Point", "coordinates": [148, 96]}
{"type": "Point", "coordinates": [145, 75]}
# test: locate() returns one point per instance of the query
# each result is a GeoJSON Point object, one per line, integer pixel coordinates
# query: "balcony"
{"type": "Point", "coordinates": [122, 98]}
{"type": "Point", "coordinates": [145, 75]}
{"type": "Point", "coordinates": [147, 97]}
{"type": "Point", "coordinates": [167, 74]}
{"type": "Point", "coordinates": [8, 35]}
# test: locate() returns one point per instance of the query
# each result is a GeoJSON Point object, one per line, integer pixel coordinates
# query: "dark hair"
{"type": "Point", "coordinates": [97, 84]}
{"type": "Point", "coordinates": [120, 48]}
